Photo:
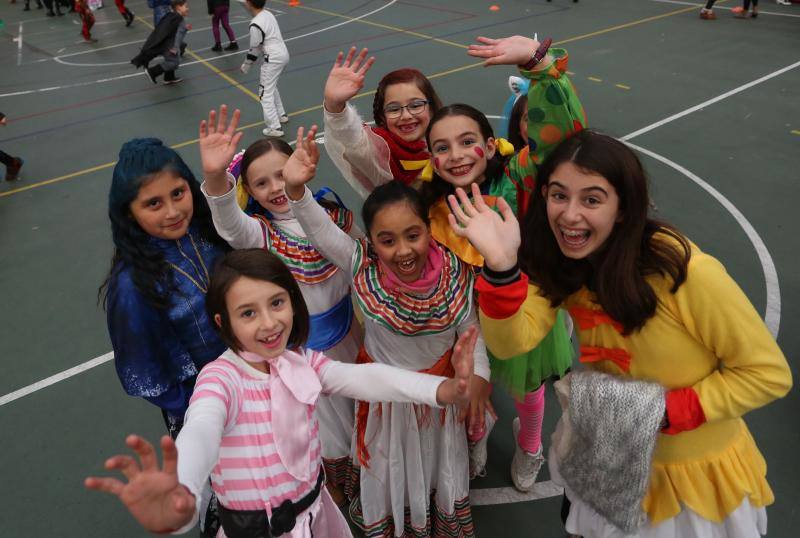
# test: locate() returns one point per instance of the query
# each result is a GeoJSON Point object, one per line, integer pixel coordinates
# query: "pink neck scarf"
{"type": "Point", "coordinates": [427, 279]}
{"type": "Point", "coordinates": [293, 386]}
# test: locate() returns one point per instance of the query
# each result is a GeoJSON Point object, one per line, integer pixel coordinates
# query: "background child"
{"type": "Point", "coordinates": [218, 9]}
{"type": "Point", "coordinates": [126, 13]}
{"type": "Point", "coordinates": [741, 11]}
{"type": "Point", "coordinates": [266, 40]}
{"type": "Point", "coordinates": [649, 305]}
{"type": "Point", "coordinates": [167, 40]}
{"type": "Point", "coordinates": [272, 226]}
{"type": "Point", "coordinates": [252, 425]}
{"type": "Point", "coordinates": [416, 299]}
{"type": "Point", "coordinates": [12, 164]}
{"type": "Point", "coordinates": [160, 9]}
{"type": "Point", "coordinates": [87, 20]}
{"type": "Point", "coordinates": [394, 148]}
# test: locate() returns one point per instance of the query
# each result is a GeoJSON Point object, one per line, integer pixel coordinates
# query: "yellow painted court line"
{"type": "Point", "coordinates": [379, 25]}
{"type": "Point", "coordinates": [622, 86]}
{"type": "Point", "coordinates": [595, 79]}
{"type": "Point", "coordinates": [317, 107]}
{"type": "Point", "coordinates": [796, 132]}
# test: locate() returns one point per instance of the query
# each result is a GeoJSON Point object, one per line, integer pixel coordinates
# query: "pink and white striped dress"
{"type": "Point", "coordinates": [228, 435]}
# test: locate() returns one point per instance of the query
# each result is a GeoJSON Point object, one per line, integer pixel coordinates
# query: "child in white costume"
{"type": "Point", "coordinates": [266, 40]}
{"type": "Point", "coordinates": [272, 226]}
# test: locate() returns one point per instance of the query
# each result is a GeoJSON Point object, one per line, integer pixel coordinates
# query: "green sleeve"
{"type": "Point", "coordinates": [554, 110]}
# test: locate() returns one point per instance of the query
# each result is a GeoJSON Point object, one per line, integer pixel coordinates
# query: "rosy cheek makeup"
{"type": "Point", "coordinates": [479, 152]}
{"type": "Point", "coordinates": [436, 162]}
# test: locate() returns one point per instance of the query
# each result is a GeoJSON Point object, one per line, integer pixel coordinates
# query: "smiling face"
{"type": "Point", "coordinates": [163, 206]}
{"type": "Point", "coordinates": [407, 126]}
{"type": "Point", "coordinates": [260, 315]}
{"type": "Point", "coordinates": [265, 181]}
{"type": "Point", "coordinates": [401, 240]}
{"type": "Point", "coordinates": [460, 153]}
{"type": "Point", "coordinates": [582, 210]}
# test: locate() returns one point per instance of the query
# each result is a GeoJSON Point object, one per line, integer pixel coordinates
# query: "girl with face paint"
{"type": "Point", "coordinates": [416, 299]}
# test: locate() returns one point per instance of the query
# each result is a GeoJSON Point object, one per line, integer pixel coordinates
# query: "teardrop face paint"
{"type": "Point", "coordinates": [460, 152]}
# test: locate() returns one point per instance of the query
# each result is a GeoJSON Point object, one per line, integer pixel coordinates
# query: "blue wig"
{"type": "Point", "coordinates": [139, 160]}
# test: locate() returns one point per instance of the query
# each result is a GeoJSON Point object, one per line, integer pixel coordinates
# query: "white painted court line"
{"type": "Point", "coordinates": [53, 379]}
{"type": "Point", "coordinates": [772, 316]}
{"type": "Point", "coordinates": [490, 496]}
{"type": "Point", "coordinates": [704, 104]}
{"type": "Point", "coordinates": [760, 12]}
{"type": "Point", "coordinates": [18, 39]}
{"type": "Point", "coordinates": [121, 77]}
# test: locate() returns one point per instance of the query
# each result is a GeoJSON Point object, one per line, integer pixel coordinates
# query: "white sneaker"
{"type": "Point", "coordinates": [478, 453]}
{"type": "Point", "coordinates": [272, 133]}
{"type": "Point", "coordinates": [284, 119]}
{"type": "Point", "coordinates": [783, 2]}
{"type": "Point", "coordinates": [525, 466]}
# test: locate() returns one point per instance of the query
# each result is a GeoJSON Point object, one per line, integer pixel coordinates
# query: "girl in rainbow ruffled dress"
{"type": "Point", "coordinates": [416, 298]}
{"type": "Point", "coordinates": [270, 224]}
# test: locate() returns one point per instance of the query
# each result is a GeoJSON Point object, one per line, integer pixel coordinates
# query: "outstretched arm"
{"type": "Point", "coordinates": [218, 143]}
{"type": "Point", "coordinates": [346, 78]}
{"type": "Point", "coordinates": [323, 233]}
{"type": "Point", "coordinates": [152, 495]}
{"type": "Point", "coordinates": [514, 50]}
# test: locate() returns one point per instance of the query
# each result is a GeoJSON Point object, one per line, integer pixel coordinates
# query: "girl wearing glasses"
{"type": "Point", "coordinates": [395, 147]}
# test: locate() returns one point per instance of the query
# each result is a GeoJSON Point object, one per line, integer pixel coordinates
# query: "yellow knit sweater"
{"type": "Point", "coordinates": [706, 336]}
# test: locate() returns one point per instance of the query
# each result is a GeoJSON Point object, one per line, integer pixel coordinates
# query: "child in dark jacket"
{"type": "Point", "coordinates": [165, 40]}
{"type": "Point", "coordinates": [218, 9]}
{"type": "Point", "coordinates": [13, 164]}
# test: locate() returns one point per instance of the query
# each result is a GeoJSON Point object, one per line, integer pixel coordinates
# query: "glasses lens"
{"type": "Point", "coordinates": [393, 111]}
{"type": "Point", "coordinates": [417, 107]}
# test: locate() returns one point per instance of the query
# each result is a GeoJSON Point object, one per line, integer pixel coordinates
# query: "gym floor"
{"type": "Point", "coordinates": [711, 106]}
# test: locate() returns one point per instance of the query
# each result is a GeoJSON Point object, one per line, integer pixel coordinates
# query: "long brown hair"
{"type": "Point", "coordinates": [637, 247]}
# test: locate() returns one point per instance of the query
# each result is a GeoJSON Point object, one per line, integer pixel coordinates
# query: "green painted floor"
{"type": "Point", "coordinates": [635, 63]}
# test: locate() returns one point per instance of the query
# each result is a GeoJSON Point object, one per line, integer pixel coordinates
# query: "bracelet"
{"type": "Point", "coordinates": [540, 53]}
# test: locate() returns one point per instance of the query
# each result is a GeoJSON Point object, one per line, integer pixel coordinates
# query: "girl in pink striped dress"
{"type": "Point", "coordinates": [252, 425]}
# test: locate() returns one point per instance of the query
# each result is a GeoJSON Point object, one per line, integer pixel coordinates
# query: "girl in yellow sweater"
{"type": "Point", "coordinates": [648, 305]}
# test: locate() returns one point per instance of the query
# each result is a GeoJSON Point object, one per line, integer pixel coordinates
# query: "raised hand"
{"type": "Point", "coordinates": [346, 78]}
{"type": "Point", "coordinates": [495, 236]}
{"type": "Point", "coordinates": [153, 496]}
{"type": "Point", "coordinates": [457, 390]}
{"type": "Point", "coordinates": [302, 165]}
{"type": "Point", "coordinates": [218, 143]}
{"type": "Point", "coordinates": [514, 50]}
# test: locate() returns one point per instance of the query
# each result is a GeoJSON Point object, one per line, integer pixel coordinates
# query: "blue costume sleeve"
{"type": "Point", "coordinates": [151, 362]}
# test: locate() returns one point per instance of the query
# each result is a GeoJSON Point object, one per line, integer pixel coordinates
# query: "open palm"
{"type": "Point", "coordinates": [346, 78]}
{"type": "Point", "coordinates": [218, 140]}
{"type": "Point", "coordinates": [514, 50]}
{"type": "Point", "coordinates": [302, 165]}
{"type": "Point", "coordinates": [495, 236]}
{"type": "Point", "coordinates": [153, 496]}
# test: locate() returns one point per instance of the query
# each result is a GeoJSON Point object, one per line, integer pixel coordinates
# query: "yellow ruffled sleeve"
{"type": "Point", "coordinates": [717, 313]}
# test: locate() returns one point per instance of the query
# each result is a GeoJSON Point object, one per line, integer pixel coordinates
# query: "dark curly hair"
{"type": "Point", "coordinates": [139, 160]}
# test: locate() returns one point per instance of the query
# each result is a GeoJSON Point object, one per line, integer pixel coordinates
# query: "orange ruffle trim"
{"type": "Point", "coordinates": [712, 488]}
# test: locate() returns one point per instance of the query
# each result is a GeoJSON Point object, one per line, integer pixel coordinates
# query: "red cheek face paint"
{"type": "Point", "coordinates": [479, 152]}
{"type": "Point", "coordinates": [436, 162]}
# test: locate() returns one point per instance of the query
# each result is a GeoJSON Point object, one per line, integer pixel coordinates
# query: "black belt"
{"type": "Point", "coordinates": [255, 524]}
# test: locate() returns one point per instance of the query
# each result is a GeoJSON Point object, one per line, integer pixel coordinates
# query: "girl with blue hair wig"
{"type": "Point", "coordinates": [165, 246]}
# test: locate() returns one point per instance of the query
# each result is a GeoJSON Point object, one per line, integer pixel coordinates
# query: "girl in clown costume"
{"type": "Point", "coordinates": [465, 152]}
{"type": "Point", "coordinates": [268, 222]}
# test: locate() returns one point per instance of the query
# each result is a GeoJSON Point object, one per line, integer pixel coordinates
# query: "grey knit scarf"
{"type": "Point", "coordinates": [615, 423]}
